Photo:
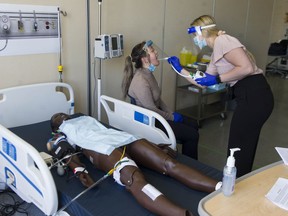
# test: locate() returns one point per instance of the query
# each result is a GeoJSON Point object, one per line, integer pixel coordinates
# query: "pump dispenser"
{"type": "Point", "coordinates": [229, 174]}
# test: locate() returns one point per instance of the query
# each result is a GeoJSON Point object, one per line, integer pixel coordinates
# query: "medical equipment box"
{"type": "Point", "coordinates": [102, 47]}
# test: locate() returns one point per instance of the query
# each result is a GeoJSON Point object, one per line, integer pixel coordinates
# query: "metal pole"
{"type": "Point", "coordinates": [83, 192]}
{"type": "Point", "coordinates": [88, 59]}
{"type": "Point", "coordinates": [60, 66]}
{"type": "Point", "coordinates": [100, 63]}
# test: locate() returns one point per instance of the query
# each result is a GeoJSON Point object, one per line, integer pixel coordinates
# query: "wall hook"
{"type": "Point", "coordinates": [64, 13]}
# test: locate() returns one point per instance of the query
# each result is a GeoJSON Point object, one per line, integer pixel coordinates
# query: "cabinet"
{"type": "Point", "coordinates": [203, 109]}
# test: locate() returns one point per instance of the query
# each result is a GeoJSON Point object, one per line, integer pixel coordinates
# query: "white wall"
{"type": "Point", "coordinates": [279, 22]}
{"type": "Point", "coordinates": [28, 69]}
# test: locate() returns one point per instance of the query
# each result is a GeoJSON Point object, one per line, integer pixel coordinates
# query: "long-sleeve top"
{"type": "Point", "coordinates": [145, 90]}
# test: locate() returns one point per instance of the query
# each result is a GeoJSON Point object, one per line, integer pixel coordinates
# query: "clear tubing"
{"type": "Point", "coordinates": [183, 75]}
{"type": "Point", "coordinates": [166, 58]}
{"type": "Point", "coordinates": [83, 192]}
{"type": "Point", "coordinates": [59, 161]}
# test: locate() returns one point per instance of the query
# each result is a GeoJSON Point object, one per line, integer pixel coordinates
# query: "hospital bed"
{"type": "Point", "coordinates": [25, 128]}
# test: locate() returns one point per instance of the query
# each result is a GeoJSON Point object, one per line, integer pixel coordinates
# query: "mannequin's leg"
{"type": "Point", "coordinates": [150, 156]}
{"type": "Point", "coordinates": [135, 182]}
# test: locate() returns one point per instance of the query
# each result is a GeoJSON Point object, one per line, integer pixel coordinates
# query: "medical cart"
{"type": "Point", "coordinates": [209, 101]}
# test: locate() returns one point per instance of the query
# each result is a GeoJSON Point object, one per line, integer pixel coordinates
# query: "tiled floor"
{"type": "Point", "coordinates": [214, 131]}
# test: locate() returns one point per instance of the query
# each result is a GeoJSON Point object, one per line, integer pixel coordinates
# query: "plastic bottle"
{"type": "Point", "coordinates": [229, 174]}
{"type": "Point", "coordinates": [189, 58]}
{"type": "Point", "coordinates": [194, 56]}
{"type": "Point", "coordinates": [193, 59]}
{"type": "Point", "coordinates": [183, 56]}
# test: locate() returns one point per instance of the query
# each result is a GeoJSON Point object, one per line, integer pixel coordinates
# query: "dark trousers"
{"type": "Point", "coordinates": [255, 103]}
{"type": "Point", "coordinates": [186, 133]}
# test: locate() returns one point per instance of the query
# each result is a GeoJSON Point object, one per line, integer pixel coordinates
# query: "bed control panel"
{"type": "Point", "coordinates": [140, 117]}
{"type": "Point", "coordinates": [9, 149]}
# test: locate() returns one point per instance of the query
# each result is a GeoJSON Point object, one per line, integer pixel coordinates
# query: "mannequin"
{"type": "Point", "coordinates": [125, 158]}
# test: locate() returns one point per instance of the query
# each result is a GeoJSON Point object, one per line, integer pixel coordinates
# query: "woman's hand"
{"type": "Point", "coordinates": [208, 80]}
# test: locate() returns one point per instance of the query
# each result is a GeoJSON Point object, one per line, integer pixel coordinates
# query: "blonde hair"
{"type": "Point", "coordinates": [205, 20]}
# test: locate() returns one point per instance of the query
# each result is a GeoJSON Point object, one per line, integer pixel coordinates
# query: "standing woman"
{"type": "Point", "coordinates": [141, 86]}
{"type": "Point", "coordinates": [233, 64]}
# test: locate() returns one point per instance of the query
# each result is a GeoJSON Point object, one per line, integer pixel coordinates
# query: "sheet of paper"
{"type": "Point", "coordinates": [283, 152]}
{"type": "Point", "coordinates": [278, 194]}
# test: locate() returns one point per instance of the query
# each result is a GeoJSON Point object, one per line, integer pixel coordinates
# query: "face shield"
{"type": "Point", "coordinates": [153, 50]}
{"type": "Point", "coordinates": [195, 32]}
{"type": "Point", "coordinates": [155, 54]}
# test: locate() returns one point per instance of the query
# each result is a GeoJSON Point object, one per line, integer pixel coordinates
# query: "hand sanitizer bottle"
{"type": "Point", "coordinates": [229, 174]}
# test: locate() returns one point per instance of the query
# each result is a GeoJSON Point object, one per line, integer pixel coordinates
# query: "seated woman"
{"type": "Point", "coordinates": [109, 149]}
{"type": "Point", "coordinates": [142, 87]}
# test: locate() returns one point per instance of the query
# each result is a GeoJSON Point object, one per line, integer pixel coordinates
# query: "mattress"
{"type": "Point", "coordinates": [109, 198]}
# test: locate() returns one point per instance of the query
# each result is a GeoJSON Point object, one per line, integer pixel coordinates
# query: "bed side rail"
{"type": "Point", "coordinates": [25, 172]}
{"type": "Point", "coordinates": [34, 103]}
{"type": "Point", "coordinates": [137, 120]}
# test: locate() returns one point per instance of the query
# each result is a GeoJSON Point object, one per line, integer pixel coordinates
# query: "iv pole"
{"type": "Point", "coordinates": [60, 66]}
{"type": "Point", "coordinates": [88, 58]}
{"type": "Point", "coordinates": [100, 63]}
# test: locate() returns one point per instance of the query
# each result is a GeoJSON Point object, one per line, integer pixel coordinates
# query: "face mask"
{"type": "Point", "coordinates": [152, 68]}
{"type": "Point", "coordinates": [199, 43]}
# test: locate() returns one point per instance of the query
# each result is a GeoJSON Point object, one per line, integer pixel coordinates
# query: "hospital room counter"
{"type": "Point", "coordinates": [249, 196]}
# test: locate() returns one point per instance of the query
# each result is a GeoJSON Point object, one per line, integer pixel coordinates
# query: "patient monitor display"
{"type": "Point", "coordinates": [116, 45]}
{"type": "Point", "coordinates": [108, 46]}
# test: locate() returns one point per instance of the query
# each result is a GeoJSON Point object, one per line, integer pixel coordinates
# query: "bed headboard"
{"type": "Point", "coordinates": [34, 103]}
{"type": "Point", "coordinates": [21, 166]}
{"type": "Point", "coordinates": [137, 120]}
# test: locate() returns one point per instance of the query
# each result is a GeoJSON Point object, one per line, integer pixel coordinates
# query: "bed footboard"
{"type": "Point", "coordinates": [21, 166]}
{"type": "Point", "coordinates": [137, 120]}
{"type": "Point", "coordinates": [25, 172]}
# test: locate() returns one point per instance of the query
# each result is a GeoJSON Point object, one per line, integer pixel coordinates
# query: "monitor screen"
{"type": "Point", "coordinates": [114, 43]}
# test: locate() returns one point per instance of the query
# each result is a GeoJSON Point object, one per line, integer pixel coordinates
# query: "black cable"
{"type": "Point", "coordinates": [6, 43]}
{"type": "Point", "coordinates": [10, 208]}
